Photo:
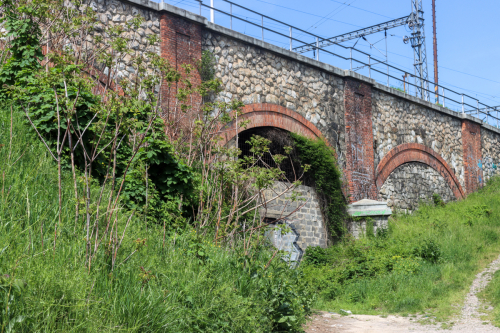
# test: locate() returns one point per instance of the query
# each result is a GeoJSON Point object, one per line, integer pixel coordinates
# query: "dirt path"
{"type": "Point", "coordinates": [469, 320]}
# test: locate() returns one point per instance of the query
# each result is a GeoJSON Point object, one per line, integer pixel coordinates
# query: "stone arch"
{"type": "Point", "coordinates": [271, 115]}
{"type": "Point", "coordinates": [307, 223]}
{"type": "Point", "coordinates": [415, 152]}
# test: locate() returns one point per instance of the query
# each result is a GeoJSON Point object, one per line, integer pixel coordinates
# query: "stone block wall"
{"type": "Point", "coordinates": [411, 183]}
{"type": "Point", "coordinates": [490, 146]}
{"type": "Point", "coordinates": [358, 229]}
{"type": "Point", "coordinates": [114, 12]}
{"type": "Point", "coordinates": [255, 75]}
{"type": "Point", "coordinates": [307, 221]}
{"type": "Point", "coordinates": [397, 121]}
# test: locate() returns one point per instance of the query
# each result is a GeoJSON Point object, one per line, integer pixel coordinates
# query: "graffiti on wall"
{"type": "Point", "coordinates": [489, 167]}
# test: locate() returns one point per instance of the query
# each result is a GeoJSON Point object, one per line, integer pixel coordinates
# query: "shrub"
{"type": "Point", "coordinates": [428, 250]}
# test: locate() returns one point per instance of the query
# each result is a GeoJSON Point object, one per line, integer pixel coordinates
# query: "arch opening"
{"type": "Point", "coordinates": [411, 183]}
{"type": "Point", "coordinates": [414, 152]}
{"type": "Point", "coordinates": [279, 140]}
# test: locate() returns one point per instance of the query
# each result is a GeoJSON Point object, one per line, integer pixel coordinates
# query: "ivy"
{"type": "Point", "coordinates": [327, 179]}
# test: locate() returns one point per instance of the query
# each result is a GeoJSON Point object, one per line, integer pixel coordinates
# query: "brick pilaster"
{"type": "Point", "coordinates": [473, 165]}
{"type": "Point", "coordinates": [180, 44]}
{"type": "Point", "coordinates": [360, 166]}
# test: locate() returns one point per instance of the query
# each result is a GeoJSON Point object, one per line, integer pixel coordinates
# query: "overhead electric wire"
{"type": "Point", "coordinates": [402, 67]}
{"type": "Point", "coordinates": [327, 18]}
{"type": "Point", "coordinates": [332, 13]}
{"type": "Point", "coordinates": [454, 70]}
{"type": "Point", "coordinates": [365, 10]}
{"type": "Point", "coordinates": [303, 12]}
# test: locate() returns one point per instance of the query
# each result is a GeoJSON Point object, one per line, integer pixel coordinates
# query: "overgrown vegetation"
{"type": "Point", "coordinates": [491, 297]}
{"type": "Point", "coordinates": [120, 211]}
{"type": "Point", "coordinates": [183, 285]}
{"type": "Point", "coordinates": [206, 66]}
{"type": "Point", "coordinates": [423, 262]}
{"type": "Point", "coordinates": [327, 180]}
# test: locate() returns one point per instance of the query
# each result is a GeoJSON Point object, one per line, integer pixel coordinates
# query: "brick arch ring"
{"type": "Point", "coordinates": [415, 152]}
{"type": "Point", "coordinates": [271, 115]}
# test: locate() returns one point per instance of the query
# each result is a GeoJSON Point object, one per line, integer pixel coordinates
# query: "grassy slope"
{"type": "Point", "coordinates": [387, 274]}
{"type": "Point", "coordinates": [58, 294]}
{"type": "Point", "coordinates": [491, 296]}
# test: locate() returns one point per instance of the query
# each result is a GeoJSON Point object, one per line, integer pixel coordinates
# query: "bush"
{"type": "Point", "coordinates": [428, 250]}
{"type": "Point", "coordinates": [315, 255]}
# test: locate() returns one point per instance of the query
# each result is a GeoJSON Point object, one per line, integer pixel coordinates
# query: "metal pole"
{"type": "Point", "coordinates": [200, 6]}
{"type": "Point", "coordinates": [317, 48]}
{"type": "Point", "coordinates": [387, 74]}
{"type": "Point", "coordinates": [369, 67]}
{"type": "Point", "coordinates": [463, 108]}
{"type": "Point", "coordinates": [386, 57]}
{"type": "Point", "coordinates": [212, 16]}
{"type": "Point", "coordinates": [291, 40]}
{"type": "Point", "coordinates": [351, 58]}
{"type": "Point", "coordinates": [434, 43]}
{"type": "Point", "coordinates": [477, 112]}
{"type": "Point", "coordinates": [262, 24]}
{"type": "Point", "coordinates": [231, 12]}
{"type": "Point", "coordinates": [444, 99]}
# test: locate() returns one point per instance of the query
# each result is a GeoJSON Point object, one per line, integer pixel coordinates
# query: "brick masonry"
{"type": "Point", "coordinates": [471, 140]}
{"type": "Point", "coordinates": [271, 115]}
{"type": "Point", "coordinates": [411, 183]}
{"type": "Point", "coordinates": [360, 169]}
{"type": "Point", "coordinates": [397, 121]}
{"type": "Point", "coordinates": [180, 44]}
{"type": "Point", "coordinates": [415, 152]}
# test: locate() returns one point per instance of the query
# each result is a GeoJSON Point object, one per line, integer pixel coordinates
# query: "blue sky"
{"type": "Point", "coordinates": [467, 32]}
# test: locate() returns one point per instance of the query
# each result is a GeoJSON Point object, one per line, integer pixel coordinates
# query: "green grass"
{"type": "Point", "coordinates": [160, 289]}
{"type": "Point", "coordinates": [491, 296]}
{"type": "Point", "coordinates": [424, 263]}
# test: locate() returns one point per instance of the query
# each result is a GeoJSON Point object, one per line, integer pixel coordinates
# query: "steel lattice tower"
{"type": "Point", "coordinates": [417, 40]}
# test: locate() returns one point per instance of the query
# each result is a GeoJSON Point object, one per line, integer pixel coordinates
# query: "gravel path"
{"type": "Point", "coordinates": [469, 320]}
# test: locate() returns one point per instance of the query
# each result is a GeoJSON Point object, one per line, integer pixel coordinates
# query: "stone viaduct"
{"type": "Point", "coordinates": [391, 146]}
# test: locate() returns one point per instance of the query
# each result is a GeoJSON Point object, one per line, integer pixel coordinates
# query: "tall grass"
{"type": "Point", "coordinates": [187, 285]}
{"type": "Point", "coordinates": [424, 262]}
{"type": "Point", "coordinates": [491, 297]}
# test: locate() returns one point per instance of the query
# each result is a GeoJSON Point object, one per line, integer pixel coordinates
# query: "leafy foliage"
{"type": "Point", "coordinates": [25, 51]}
{"type": "Point", "coordinates": [327, 179]}
{"type": "Point", "coordinates": [206, 66]}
